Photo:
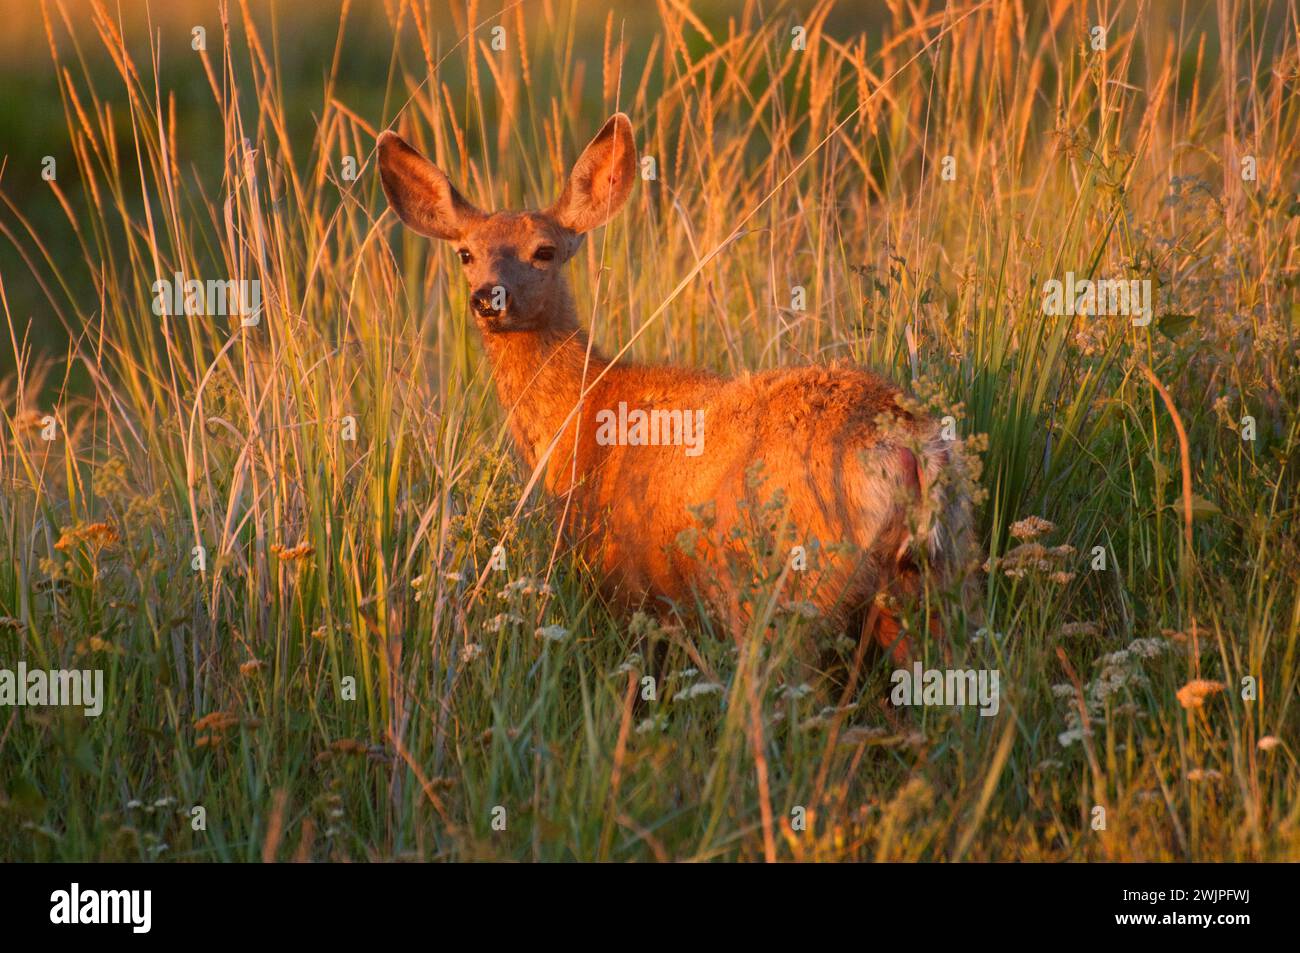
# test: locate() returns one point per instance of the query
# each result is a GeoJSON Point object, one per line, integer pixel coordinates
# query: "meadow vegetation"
{"type": "Point", "coordinates": [1123, 621]}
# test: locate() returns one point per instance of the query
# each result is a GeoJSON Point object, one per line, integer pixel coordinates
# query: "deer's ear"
{"type": "Point", "coordinates": [420, 194]}
{"type": "Point", "coordinates": [601, 179]}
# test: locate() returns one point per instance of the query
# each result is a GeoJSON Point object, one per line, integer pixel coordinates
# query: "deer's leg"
{"type": "Point", "coordinates": [903, 591]}
{"type": "Point", "coordinates": [888, 630]}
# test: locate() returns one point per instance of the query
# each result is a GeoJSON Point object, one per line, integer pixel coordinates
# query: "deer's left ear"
{"type": "Point", "coordinates": [601, 179]}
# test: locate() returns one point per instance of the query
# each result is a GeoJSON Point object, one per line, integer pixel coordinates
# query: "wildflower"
{"type": "Point", "coordinates": [1147, 648]}
{"type": "Point", "coordinates": [802, 609]}
{"type": "Point", "coordinates": [469, 652]}
{"type": "Point", "coordinates": [1031, 527]}
{"type": "Point", "coordinates": [1090, 338]}
{"type": "Point", "coordinates": [1080, 629]}
{"type": "Point", "coordinates": [211, 728]}
{"type": "Point", "coordinates": [698, 689]}
{"type": "Point", "coordinates": [216, 721]}
{"type": "Point", "coordinates": [1027, 553]}
{"type": "Point", "coordinates": [250, 667]}
{"type": "Point", "coordinates": [632, 663]}
{"type": "Point", "coordinates": [1194, 693]}
{"type": "Point", "coordinates": [292, 553]}
{"type": "Point", "coordinates": [524, 586]}
{"type": "Point", "coordinates": [498, 622]}
{"type": "Point", "coordinates": [643, 626]}
{"type": "Point", "coordinates": [96, 534]}
{"type": "Point", "coordinates": [100, 534]}
{"type": "Point", "coordinates": [824, 717]}
{"type": "Point", "coordinates": [1204, 774]}
{"type": "Point", "coordinates": [1061, 578]}
{"type": "Point", "coordinates": [1118, 671]}
{"type": "Point", "coordinates": [1067, 738]}
{"type": "Point", "coordinates": [1029, 556]}
{"type": "Point", "coordinates": [1268, 742]}
{"type": "Point", "coordinates": [552, 633]}
{"type": "Point", "coordinates": [658, 723]}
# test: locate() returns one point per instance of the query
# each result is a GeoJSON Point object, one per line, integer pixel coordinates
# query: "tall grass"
{"type": "Point", "coordinates": [327, 559]}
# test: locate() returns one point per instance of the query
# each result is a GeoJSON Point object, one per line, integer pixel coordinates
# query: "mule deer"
{"type": "Point", "coordinates": [854, 467]}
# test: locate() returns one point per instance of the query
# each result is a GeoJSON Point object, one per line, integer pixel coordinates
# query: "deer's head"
{"type": "Point", "coordinates": [513, 260]}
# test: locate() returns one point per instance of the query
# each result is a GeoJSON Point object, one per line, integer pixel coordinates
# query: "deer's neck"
{"type": "Point", "coordinates": [540, 376]}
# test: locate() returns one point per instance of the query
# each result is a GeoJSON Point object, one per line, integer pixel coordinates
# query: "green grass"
{"type": "Point", "coordinates": [179, 432]}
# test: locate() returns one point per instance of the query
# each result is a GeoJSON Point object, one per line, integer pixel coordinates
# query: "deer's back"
{"type": "Point", "coordinates": [827, 447]}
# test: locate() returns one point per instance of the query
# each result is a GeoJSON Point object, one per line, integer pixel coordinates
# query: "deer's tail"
{"type": "Point", "coordinates": [941, 522]}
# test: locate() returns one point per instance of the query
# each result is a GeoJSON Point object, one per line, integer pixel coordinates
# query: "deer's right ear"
{"type": "Point", "coordinates": [420, 194]}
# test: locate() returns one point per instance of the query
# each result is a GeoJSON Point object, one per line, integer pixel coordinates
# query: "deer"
{"type": "Point", "coordinates": [865, 480]}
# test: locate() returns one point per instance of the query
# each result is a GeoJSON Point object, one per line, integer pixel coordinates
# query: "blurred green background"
{"type": "Point", "coordinates": [302, 36]}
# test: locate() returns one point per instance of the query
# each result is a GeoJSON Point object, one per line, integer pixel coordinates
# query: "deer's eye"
{"type": "Point", "coordinates": [465, 256]}
{"type": "Point", "coordinates": [545, 253]}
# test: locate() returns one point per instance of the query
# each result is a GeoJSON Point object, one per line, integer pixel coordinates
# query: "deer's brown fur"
{"type": "Point", "coordinates": [854, 465]}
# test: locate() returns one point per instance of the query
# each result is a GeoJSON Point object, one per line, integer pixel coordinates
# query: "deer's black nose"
{"type": "Point", "coordinates": [489, 301]}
